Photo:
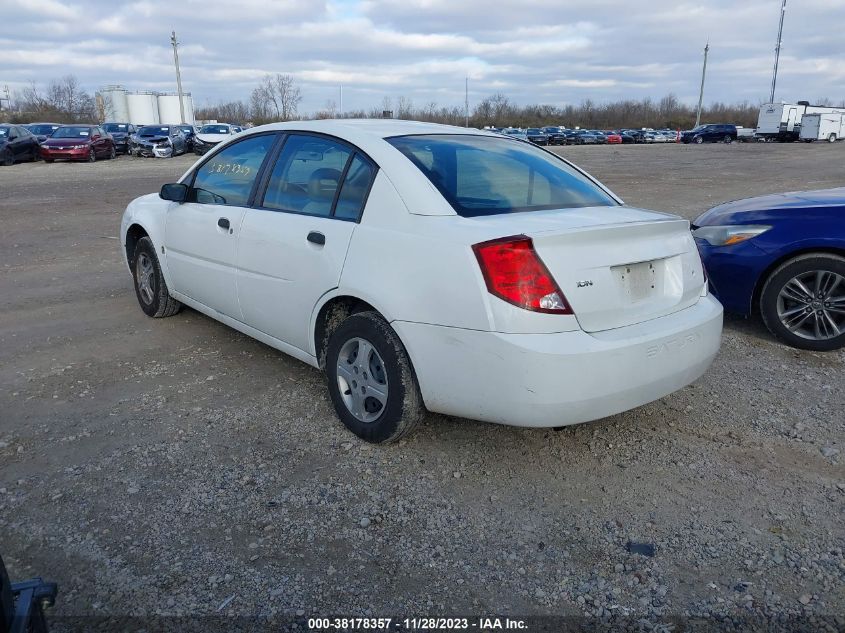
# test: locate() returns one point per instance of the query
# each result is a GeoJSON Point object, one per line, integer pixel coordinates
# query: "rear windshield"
{"type": "Point", "coordinates": [43, 129]}
{"type": "Point", "coordinates": [214, 129]}
{"type": "Point", "coordinates": [153, 130]}
{"type": "Point", "coordinates": [486, 175]}
{"type": "Point", "coordinates": [115, 127]}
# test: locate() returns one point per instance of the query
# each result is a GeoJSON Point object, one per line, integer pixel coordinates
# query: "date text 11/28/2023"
{"type": "Point", "coordinates": [416, 624]}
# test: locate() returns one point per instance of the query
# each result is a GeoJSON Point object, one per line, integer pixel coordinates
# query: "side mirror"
{"type": "Point", "coordinates": [174, 191]}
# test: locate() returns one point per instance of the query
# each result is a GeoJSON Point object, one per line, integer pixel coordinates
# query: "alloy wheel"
{"type": "Point", "coordinates": [812, 305]}
{"type": "Point", "coordinates": [362, 379]}
{"type": "Point", "coordinates": [145, 275]}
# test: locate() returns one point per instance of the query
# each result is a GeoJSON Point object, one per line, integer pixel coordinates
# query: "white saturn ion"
{"type": "Point", "coordinates": [427, 267]}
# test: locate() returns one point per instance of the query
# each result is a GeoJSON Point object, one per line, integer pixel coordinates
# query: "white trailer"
{"type": "Point", "coordinates": [782, 121]}
{"type": "Point", "coordinates": [823, 127]}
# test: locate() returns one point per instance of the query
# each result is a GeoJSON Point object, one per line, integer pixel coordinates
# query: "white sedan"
{"type": "Point", "coordinates": [428, 267]}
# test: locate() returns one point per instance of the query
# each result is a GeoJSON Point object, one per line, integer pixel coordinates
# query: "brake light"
{"type": "Point", "coordinates": [515, 273]}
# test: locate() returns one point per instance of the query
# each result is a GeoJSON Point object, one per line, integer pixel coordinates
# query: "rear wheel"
{"type": "Point", "coordinates": [370, 379]}
{"type": "Point", "coordinates": [8, 158]}
{"type": "Point", "coordinates": [831, 138]}
{"type": "Point", "coordinates": [699, 140]}
{"type": "Point", "coordinates": [150, 286]}
{"type": "Point", "coordinates": [112, 153]}
{"type": "Point", "coordinates": [728, 138]}
{"type": "Point", "coordinates": [803, 302]}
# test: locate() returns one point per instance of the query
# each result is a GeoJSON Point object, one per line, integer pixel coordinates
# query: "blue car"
{"type": "Point", "coordinates": [781, 257]}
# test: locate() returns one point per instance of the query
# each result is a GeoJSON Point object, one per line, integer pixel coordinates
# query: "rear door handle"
{"type": "Point", "coordinates": [316, 238]}
{"type": "Point", "coordinates": [223, 223]}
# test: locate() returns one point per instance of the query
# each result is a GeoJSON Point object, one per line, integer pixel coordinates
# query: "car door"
{"type": "Point", "coordinates": [201, 233]}
{"type": "Point", "coordinates": [293, 244]}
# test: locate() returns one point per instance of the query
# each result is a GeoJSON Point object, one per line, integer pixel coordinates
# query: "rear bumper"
{"type": "Point", "coordinates": [544, 380]}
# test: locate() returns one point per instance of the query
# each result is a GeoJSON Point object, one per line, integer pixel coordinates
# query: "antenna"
{"type": "Point", "coordinates": [777, 51]}
{"type": "Point", "coordinates": [175, 43]}
{"type": "Point", "coordinates": [701, 91]}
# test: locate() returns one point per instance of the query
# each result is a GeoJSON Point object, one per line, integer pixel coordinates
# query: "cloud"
{"type": "Point", "coordinates": [535, 51]}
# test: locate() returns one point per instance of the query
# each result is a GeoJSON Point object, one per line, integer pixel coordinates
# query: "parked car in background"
{"type": "Point", "coordinates": [555, 135]}
{"type": "Point", "coordinates": [586, 137]}
{"type": "Point", "coordinates": [601, 137]}
{"type": "Point", "coordinates": [17, 144]}
{"type": "Point", "coordinates": [210, 135]}
{"type": "Point", "coordinates": [120, 133]}
{"type": "Point", "coordinates": [42, 130]}
{"type": "Point", "coordinates": [190, 133]}
{"type": "Point", "coordinates": [613, 138]}
{"type": "Point", "coordinates": [710, 133]}
{"type": "Point", "coordinates": [160, 141]}
{"type": "Point", "coordinates": [746, 134]}
{"type": "Point", "coordinates": [553, 283]}
{"type": "Point", "coordinates": [626, 136]}
{"type": "Point", "coordinates": [781, 257]}
{"type": "Point", "coordinates": [639, 136]}
{"type": "Point", "coordinates": [537, 136]}
{"type": "Point", "coordinates": [78, 142]}
{"type": "Point", "coordinates": [515, 133]}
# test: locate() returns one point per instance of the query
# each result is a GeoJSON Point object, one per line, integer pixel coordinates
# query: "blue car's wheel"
{"type": "Point", "coordinates": [803, 302]}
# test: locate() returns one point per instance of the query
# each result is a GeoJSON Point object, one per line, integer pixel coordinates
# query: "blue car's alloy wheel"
{"type": "Point", "coordinates": [803, 302]}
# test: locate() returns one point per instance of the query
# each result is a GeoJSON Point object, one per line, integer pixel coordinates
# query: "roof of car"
{"type": "Point", "coordinates": [376, 128]}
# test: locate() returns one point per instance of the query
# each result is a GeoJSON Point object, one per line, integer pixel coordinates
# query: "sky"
{"type": "Point", "coordinates": [534, 51]}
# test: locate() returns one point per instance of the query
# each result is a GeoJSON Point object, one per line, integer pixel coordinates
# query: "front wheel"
{"type": "Point", "coordinates": [728, 139]}
{"type": "Point", "coordinates": [370, 379]}
{"type": "Point", "coordinates": [8, 158]}
{"type": "Point", "coordinates": [150, 286]}
{"type": "Point", "coordinates": [699, 140]}
{"type": "Point", "coordinates": [92, 156]}
{"type": "Point", "coordinates": [112, 153]}
{"type": "Point", "coordinates": [803, 302]}
{"type": "Point", "coordinates": [831, 138]}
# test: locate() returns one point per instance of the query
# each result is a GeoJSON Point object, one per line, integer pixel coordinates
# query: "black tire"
{"type": "Point", "coordinates": [158, 303]}
{"type": "Point", "coordinates": [48, 160]}
{"type": "Point", "coordinates": [112, 153]}
{"type": "Point", "coordinates": [728, 139]}
{"type": "Point", "coordinates": [8, 158]}
{"type": "Point", "coordinates": [699, 140]}
{"type": "Point", "coordinates": [92, 155]}
{"type": "Point", "coordinates": [404, 408]}
{"type": "Point", "coordinates": [831, 138]}
{"type": "Point", "coordinates": [779, 278]}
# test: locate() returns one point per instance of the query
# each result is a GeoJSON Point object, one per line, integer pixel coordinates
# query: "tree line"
{"type": "Point", "coordinates": [277, 97]}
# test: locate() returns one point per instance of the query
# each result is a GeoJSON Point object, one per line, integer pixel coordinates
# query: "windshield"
{"type": "Point", "coordinates": [154, 130]}
{"type": "Point", "coordinates": [43, 129]}
{"type": "Point", "coordinates": [534, 130]}
{"type": "Point", "coordinates": [214, 129]}
{"type": "Point", "coordinates": [4, 131]}
{"type": "Point", "coordinates": [115, 127]}
{"type": "Point", "coordinates": [485, 175]}
{"type": "Point", "coordinates": [72, 132]}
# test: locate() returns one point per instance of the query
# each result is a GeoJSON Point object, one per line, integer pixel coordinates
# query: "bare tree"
{"type": "Point", "coordinates": [276, 97]}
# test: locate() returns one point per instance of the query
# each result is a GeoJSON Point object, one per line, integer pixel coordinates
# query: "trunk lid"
{"type": "Point", "coordinates": [616, 266]}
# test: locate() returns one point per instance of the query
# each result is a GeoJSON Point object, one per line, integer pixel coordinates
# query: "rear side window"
{"type": "Point", "coordinates": [228, 177]}
{"type": "Point", "coordinates": [356, 186]}
{"type": "Point", "coordinates": [484, 175]}
{"type": "Point", "coordinates": [307, 175]}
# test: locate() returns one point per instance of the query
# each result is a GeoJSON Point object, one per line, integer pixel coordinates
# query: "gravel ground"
{"type": "Point", "coordinates": [176, 467]}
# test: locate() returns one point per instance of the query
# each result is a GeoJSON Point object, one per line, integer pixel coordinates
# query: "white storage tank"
{"type": "Point", "coordinates": [143, 108]}
{"type": "Point", "coordinates": [115, 104]}
{"type": "Point", "coordinates": [168, 108]}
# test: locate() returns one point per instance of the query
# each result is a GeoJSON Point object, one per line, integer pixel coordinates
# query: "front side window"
{"type": "Point", "coordinates": [485, 175]}
{"type": "Point", "coordinates": [228, 176]}
{"type": "Point", "coordinates": [307, 175]}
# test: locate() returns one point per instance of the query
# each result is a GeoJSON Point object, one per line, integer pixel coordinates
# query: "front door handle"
{"type": "Point", "coordinates": [317, 238]}
{"type": "Point", "coordinates": [223, 223]}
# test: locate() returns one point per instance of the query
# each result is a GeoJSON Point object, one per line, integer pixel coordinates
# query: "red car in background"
{"type": "Point", "coordinates": [78, 142]}
{"type": "Point", "coordinates": [613, 138]}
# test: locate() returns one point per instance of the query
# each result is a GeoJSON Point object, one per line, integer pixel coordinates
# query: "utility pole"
{"type": "Point", "coordinates": [341, 102]}
{"type": "Point", "coordinates": [7, 98]}
{"type": "Point", "coordinates": [701, 91]}
{"type": "Point", "coordinates": [777, 51]}
{"type": "Point", "coordinates": [175, 44]}
{"type": "Point", "coordinates": [466, 101]}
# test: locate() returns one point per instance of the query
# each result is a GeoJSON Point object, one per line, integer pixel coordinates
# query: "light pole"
{"type": "Point", "coordinates": [175, 44]}
{"type": "Point", "coordinates": [701, 91]}
{"type": "Point", "coordinates": [777, 51]}
{"type": "Point", "coordinates": [466, 101]}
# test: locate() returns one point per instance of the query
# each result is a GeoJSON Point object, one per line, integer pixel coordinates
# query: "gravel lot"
{"type": "Point", "coordinates": [176, 467]}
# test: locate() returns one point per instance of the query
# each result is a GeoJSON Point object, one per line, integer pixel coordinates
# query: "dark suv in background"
{"type": "Point", "coordinates": [710, 133]}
